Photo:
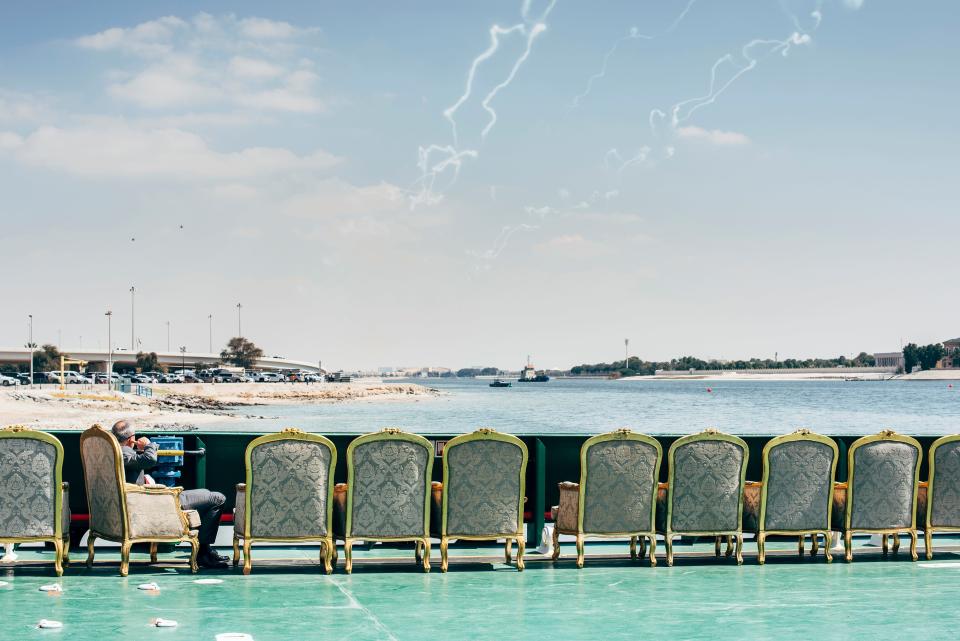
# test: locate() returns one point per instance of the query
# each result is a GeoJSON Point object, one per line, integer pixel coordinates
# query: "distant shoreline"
{"type": "Point", "coordinates": [800, 375]}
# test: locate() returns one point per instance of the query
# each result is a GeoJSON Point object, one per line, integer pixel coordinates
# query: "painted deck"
{"type": "Point", "coordinates": [387, 597]}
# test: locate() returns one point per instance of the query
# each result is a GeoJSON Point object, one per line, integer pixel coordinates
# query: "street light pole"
{"type": "Point", "coordinates": [239, 326]}
{"type": "Point", "coordinates": [30, 345]}
{"type": "Point", "coordinates": [109, 316]}
{"type": "Point", "coordinates": [626, 349]}
{"type": "Point", "coordinates": [183, 359]}
{"type": "Point", "coordinates": [133, 291]}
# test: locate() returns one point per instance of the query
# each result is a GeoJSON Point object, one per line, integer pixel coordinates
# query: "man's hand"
{"type": "Point", "coordinates": [142, 442]}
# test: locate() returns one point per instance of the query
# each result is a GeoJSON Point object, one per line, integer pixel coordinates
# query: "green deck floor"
{"type": "Point", "coordinates": [701, 597]}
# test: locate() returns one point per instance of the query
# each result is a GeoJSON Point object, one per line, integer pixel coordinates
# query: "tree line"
{"type": "Point", "coordinates": [635, 366]}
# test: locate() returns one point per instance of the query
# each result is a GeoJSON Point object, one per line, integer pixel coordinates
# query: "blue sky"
{"type": "Point", "coordinates": [307, 149]}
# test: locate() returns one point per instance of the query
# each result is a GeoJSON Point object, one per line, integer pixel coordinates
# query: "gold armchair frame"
{"type": "Point", "coordinates": [327, 545]}
{"type": "Point", "coordinates": [487, 434]}
{"type": "Point", "coordinates": [60, 539]}
{"type": "Point", "coordinates": [889, 436]}
{"type": "Point", "coordinates": [126, 541]}
{"type": "Point", "coordinates": [801, 434]}
{"type": "Point", "coordinates": [622, 434]}
{"type": "Point", "coordinates": [709, 434]}
{"type": "Point", "coordinates": [422, 542]}
{"type": "Point", "coordinates": [928, 527]}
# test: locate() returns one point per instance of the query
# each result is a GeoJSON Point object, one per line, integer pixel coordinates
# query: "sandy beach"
{"type": "Point", "coordinates": [180, 407]}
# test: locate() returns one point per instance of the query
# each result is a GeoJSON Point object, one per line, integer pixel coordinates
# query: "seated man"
{"type": "Point", "coordinates": [139, 455]}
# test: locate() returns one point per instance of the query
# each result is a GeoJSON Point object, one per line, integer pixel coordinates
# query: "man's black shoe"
{"type": "Point", "coordinates": [212, 561]}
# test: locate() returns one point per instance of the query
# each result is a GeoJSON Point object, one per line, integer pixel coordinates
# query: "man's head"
{"type": "Point", "coordinates": [125, 433]}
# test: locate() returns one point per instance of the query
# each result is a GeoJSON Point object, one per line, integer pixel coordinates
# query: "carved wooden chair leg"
{"type": "Point", "coordinates": [153, 553]}
{"type": "Point", "coordinates": [579, 550]}
{"type": "Point", "coordinates": [348, 556]}
{"type": "Point", "coordinates": [653, 550]}
{"type": "Point", "coordinates": [58, 559]}
{"type": "Point", "coordinates": [729, 546]}
{"type": "Point", "coordinates": [816, 544]}
{"type": "Point", "coordinates": [521, 547]}
{"type": "Point", "coordinates": [444, 561]}
{"type": "Point", "coordinates": [247, 559]}
{"type": "Point", "coordinates": [761, 552]}
{"type": "Point", "coordinates": [848, 546]}
{"type": "Point", "coordinates": [642, 542]}
{"type": "Point", "coordinates": [739, 538]}
{"type": "Point", "coordinates": [556, 542]}
{"type": "Point", "coordinates": [508, 550]}
{"type": "Point", "coordinates": [236, 550]}
{"type": "Point", "coordinates": [328, 550]}
{"type": "Point", "coordinates": [913, 545]}
{"type": "Point", "coordinates": [633, 548]}
{"type": "Point", "coordinates": [426, 555]}
{"type": "Point", "coordinates": [800, 545]}
{"type": "Point", "coordinates": [194, 551]}
{"type": "Point", "coordinates": [827, 546]}
{"type": "Point", "coordinates": [716, 547]}
{"type": "Point", "coordinates": [883, 543]}
{"type": "Point", "coordinates": [125, 558]}
{"type": "Point", "coordinates": [896, 543]}
{"type": "Point", "coordinates": [418, 559]}
{"type": "Point", "coordinates": [90, 539]}
{"type": "Point", "coordinates": [928, 543]}
{"type": "Point", "coordinates": [66, 551]}
{"type": "Point", "coordinates": [669, 543]}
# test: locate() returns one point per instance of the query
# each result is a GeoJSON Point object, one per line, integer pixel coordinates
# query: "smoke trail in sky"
{"type": "Point", "coordinates": [501, 241]}
{"type": "Point", "coordinates": [434, 160]}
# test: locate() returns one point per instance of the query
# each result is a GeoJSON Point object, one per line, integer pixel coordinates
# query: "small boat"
{"type": "Point", "coordinates": [530, 375]}
{"type": "Point", "coordinates": [499, 383]}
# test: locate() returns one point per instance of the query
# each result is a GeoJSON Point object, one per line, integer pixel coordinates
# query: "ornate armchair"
{"type": "Point", "coordinates": [388, 492]}
{"type": "Point", "coordinates": [484, 477]}
{"type": "Point", "coordinates": [617, 494]}
{"type": "Point", "coordinates": [288, 496]}
{"type": "Point", "coordinates": [881, 498]}
{"type": "Point", "coordinates": [796, 494]}
{"type": "Point", "coordinates": [704, 495]}
{"type": "Point", "coordinates": [943, 489]}
{"type": "Point", "coordinates": [127, 513]}
{"type": "Point", "coordinates": [34, 501]}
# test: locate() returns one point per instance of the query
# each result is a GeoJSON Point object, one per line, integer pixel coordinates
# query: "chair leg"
{"type": "Point", "coordinates": [125, 558]}
{"type": "Point", "coordinates": [327, 550]}
{"type": "Point", "coordinates": [896, 543]}
{"type": "Point", "coordinates": [58, 559]}
{"type": "Point", "coordinates": [334, 556]}
{"type": "Point", "coordinates": [633, 548]}
{"type": "Point", "coordinates": [913, 545]}
{"type": "Point", "coordinates": [153, 553]}
{"type": "Point", "coordinates": [729, 546]}
{"type": "Point", "coordinates": [194, 551]}
{"type": "Point", "coordinates": [521, 547]}
{"type": "Point", "coordinates": [348, 555]}
{"type": "Point", "coordinates": [848, 546]}
{"type": "Point", "coordinates": [247, 559]}
{"type": "Point", "coordinates": [716, 547]}
{"type": "Point", "coordinates": [444, 561]}
{"type": "Point", "coordinates": [417, 557]}
{"type": "Point", "coordinates": [507, 551]}
{"type": "Point", "coordinates": [761, 552]}
{"type": "Point", "coordinates": [739, 538]}
{"type": "Point", "coordinates": [816, 544]}
{"type": "Point", "coordinates": [90, 539]}
{"type": "Point", "coordinates": [828, 546]}
{"type": "Point", "coordinates": [236, 550]}
{"type": "Point", "coordinates": [669, 542]}
{"type": "Point", "coordinates": [66, 550]}
{"type": "Point", "coordinates": [883, 544]}
{"type": "Point", "coordinates": [928, 542]}
{"type": "Point", "coordinates": [556, 542]}
{"type": "Point", "coordinates": [653, 550]}
{"type": "Point", "coordinates": [642, 542]}
{"type": "Point", "coordinates": [579, 550]}
{"type": "Point", "coordinates": [426, 555]}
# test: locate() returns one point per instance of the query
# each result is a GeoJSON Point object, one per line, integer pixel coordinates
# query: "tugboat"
{"type": "Point", "coordinates": [529, 375]}
{"type": "Point", "coordinates": [498, 383]}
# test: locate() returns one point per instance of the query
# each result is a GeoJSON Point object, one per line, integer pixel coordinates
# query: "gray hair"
{"type": "Point", "coordinates": [123, 430]}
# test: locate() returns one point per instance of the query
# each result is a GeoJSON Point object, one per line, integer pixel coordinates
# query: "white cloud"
{"type": "Point", "coordinates": [337, 197]}
{"type": "Point", "coordinates": [715, 136]}
{"type": "Point", "coordinates": [244, 67]}
{"type": "Point", "coordinates": [174, 83]}
{"type": "Point", "coordinates": [150, 38]}
{"type": "Point", "coordinates": [10, 140]}
{"type": "Point", "coordinates": [119, 150]}
{"type": "Point", "coordinates": [262, 28]}
{"type": "Point", "coordinates": [571, 245]}
{"type": "Point", "coordinates": [853, 4]}
{"type": "Point", "coordinates": [21, 107]}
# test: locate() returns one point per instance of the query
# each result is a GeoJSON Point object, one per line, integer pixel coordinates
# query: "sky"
{"type": "Point", "coordinates": [456, 184]}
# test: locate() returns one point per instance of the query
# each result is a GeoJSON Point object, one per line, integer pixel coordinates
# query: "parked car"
{"type": "Point", "coordinates": [8, 381]}
{"type": "Point", "coordinates": [24, 378]}
{"type": "Point", "coordinates": [190, 378]}
{"type": "Point", "coordinates": [268, 377]}
{"type": "Point", "coordinates": [140, 378]}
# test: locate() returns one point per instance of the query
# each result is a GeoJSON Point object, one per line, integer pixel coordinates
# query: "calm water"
{"type": "Point", "coordinates": [655, 407]}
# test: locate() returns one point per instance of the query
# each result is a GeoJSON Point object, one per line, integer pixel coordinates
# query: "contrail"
{"type": "Point", "coordinates": [501, 241]}
{"type": "Point", "coordinates": [633, 35]}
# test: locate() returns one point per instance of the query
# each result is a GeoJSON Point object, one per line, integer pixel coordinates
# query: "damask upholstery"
{"type": "Point", "coordinates": [567, 511]}
{"type": "Point", "coordinates": [65, 513]}
{"type": "Point", "coordinates": [799, 486]}
{"type": "Point", "coordinates": [103, 488]}
{"type": "Point", "coordinates": [946, 491]}
{"type": "Point", "coordinates": [619, 486]}
{"type": "Point", "coordinates": [28, 489]}
{"type": "Point", "coordinates": [483, 488]}
{"type": "Point", "coordinates": [154, 515]}
{"type": "Point", "coordinates": [883, 485]}
{"type": "Point", "coordinates": [752, 494]}
{"type": "Point", "coordinates": [288, 497]}
{"type": "Point", "coordinates": [389, 488]}
{"type": "Point", "coordinates": [240, 509]}
{"type": "Point", "coordinates": [707, 489]}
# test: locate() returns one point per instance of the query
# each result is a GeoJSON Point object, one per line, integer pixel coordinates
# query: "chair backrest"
{"type": "Point", "coordinates": [883, 471]}
{"type": "Point", "coordinates": [797, 490]}
{"type": "Point", "coordinates": [31, 472]}
{"type": "Point", "coordinates": [103, 477]}
{"type": "Point", "coordinates": [943, 487]}
{"type": "Point", "coordinates": [289, 485]}
{"type": "Point", "coordinates": [618, 483]}
{"type": "Point", "coordinates": [388, 485]}
{"type": "Point", "coordinates": [705, 491]}
{"type": "Point", "coordinates": [483, 484]}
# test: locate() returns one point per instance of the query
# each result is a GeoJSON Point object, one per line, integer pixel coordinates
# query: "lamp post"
{"type": "Point", "coordinates": [109, 316]}
{"type": "Point", "coordinates": [32, 347]}
{"type": "Point", "coordinates": [626, 350]}
{"type": "Point", "coordinates": [133, 292]}
{"type": "Point", "coordinates": [239, 326]}
{"type": "Point", "coordinates": [183, 359]}
{"type": "Point", "coordinates": [210, 330]}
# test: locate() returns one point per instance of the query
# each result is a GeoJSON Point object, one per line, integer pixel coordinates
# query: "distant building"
{"type": "Point", "coordinates": [950, 361]}
{"type": "Point", "coordinates": [889, 359]}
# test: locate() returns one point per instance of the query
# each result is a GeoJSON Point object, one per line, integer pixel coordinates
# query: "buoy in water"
{"type": "Point", "coordinates": [51, 587]}
{"type": "Point", "coordinates": [163, 623]}
{"type": "Point", "coordinates": [151, 587]}
{"type": "Point", "coordinates": [46, 624]}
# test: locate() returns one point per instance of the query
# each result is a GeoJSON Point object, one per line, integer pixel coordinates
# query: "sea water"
{"type": "Point", "coordinates": [565, 406]}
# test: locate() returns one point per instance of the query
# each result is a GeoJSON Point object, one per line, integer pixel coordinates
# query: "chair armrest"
{"type": "Point", "coordinates": [65, 486]}
{"type": "Point", "coordinates": [241, 487]}
{"type": "Point", "coordinates": [568, 511]}
{"type": "Point", "coordinates": [240, 508]}
{"type": "Point", "coordinates": [153, 489]}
